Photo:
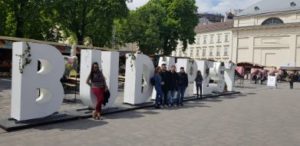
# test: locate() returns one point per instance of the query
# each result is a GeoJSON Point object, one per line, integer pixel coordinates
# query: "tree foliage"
{"type": "Point", "coordinates": [159, 25]}
{"type": "Point", "coordinates": [56, 19]}
{"type": "Point", "coordinates": [23, 18]}
{"type": "Point", "coordinates": [88, 18]}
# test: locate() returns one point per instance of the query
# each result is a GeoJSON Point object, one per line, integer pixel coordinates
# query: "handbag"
{"type": "Point", "coordinates": [106, 97]}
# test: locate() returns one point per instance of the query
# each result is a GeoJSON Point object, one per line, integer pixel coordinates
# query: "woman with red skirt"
{"type": "Point", "coordinates": [97, 82]}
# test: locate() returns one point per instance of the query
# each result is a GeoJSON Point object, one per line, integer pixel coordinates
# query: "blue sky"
{"type": "Point", "coordinates": [215, 6]}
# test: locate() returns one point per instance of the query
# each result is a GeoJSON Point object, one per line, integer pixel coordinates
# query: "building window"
{"type": "Point", "coordinates": [191, 52]}
{"type": "Point", "coordinates": [197, 52]}
{"type": "Point", "coordinates": [218, 51]}
{"type": "Point", "coordinates": [272, 21]}
{"type": "Point", "coordinates": [219, 38]}
{"type": "Point", "coordinates": [226, 51]}
{"type": "Point", "coordinates": [210, 51]}
{"type": "Point", "coordinates": [198, 40]}
{"type": "Point", "coordinates": [226, 38]}
{"type": "Point", "coordinates": [211, 38]}
{"type": "Point", "coordinates": [205, 39]}
{"type": "Point", "coordinates": [204, 52]}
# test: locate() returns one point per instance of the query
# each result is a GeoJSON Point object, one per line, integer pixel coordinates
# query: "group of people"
{"type": "Point", "coordinates": [282, 75]}
{"type": "Point", "coordinates": [170, 85]}
{"type": "Point", "coordinates": [259, 75]}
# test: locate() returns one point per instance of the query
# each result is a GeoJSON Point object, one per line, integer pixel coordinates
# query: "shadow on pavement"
{"type": "Point", "coordinates": [83, 124]}
{"type": "Point", "coordinates": [5, 84]}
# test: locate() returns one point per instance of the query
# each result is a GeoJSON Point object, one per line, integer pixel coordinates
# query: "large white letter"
{"type": "Point", "coordinates": [229, 76]}
{"type": "Point", "coordinates": [190, 67]}
{"type": "Point", "coordinates": [169, 61]}
{"type": "Point", "coordinates": [139, 70]}
{"type": "Point", "coordinates": [110, 66]}
{"type": "Point", "coordinates": [109, 63]}
{"type": "Point", "coordinates": [36, 93]}
{"type": "Point", "coordinates": [87, 58]}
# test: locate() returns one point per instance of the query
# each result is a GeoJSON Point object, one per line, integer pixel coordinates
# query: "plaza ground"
{"type": "Point", "coordinates": [259, 116]}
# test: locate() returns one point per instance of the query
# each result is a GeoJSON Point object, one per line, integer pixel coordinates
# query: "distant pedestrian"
{"type": "Point", "coordinates": [158, 87]}
{"type": "Point", "coordinates": [291, 79]}
{"type": "Point", "coordinates": [182, 85]}
{"type": "Point", "coordinates": [198, 81]}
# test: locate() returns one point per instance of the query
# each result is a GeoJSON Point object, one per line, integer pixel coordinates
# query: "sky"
{"type": "Point", "coordinates": [212, 6]}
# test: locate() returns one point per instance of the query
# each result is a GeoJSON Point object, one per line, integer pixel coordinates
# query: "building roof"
{"type": "Point", "coordinates": [202, 28]}
{"type": "Point", "coordinates": [271, 6]}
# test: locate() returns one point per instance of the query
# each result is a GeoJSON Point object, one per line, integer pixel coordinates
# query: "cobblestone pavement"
{"type": "Point", "coordinates": [260, 116]}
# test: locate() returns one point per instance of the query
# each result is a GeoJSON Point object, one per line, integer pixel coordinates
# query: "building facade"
{"type": "Point", "coordinates": [268, 33]}
{"type": "Point", "coordinates": [213, 42]}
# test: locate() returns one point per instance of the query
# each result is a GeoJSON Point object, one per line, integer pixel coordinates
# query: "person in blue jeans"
{"type": "Point", "coordinates": [173, 85]}
{"type": "Point", "coordinates": [158, 87]}
{"type": "Point", "coordinates": [182, 85]}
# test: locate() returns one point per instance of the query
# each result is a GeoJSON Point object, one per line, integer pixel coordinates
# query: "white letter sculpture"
{"type": "Point", "coordinates": [109, 63]}
{"type": "Point", "coordinates": [110, 67]}
{"type": "Point", "coordinates": [229, 76]}
{"type": "Point", "coordinates": [190, 68]}
{"type": "Point", "coordinates": [139, 70]}
{"type": "Point", "coordinates": [211, 71]}
{"type": "Point", "coordinates": [36, 93]}
{"type": "Point", "coordinates": [169, 61]}
{"type": "Point", "coordinates": [88, 57]}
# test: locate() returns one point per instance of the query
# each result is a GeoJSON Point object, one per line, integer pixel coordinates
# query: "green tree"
{"type": "Point", "coordinates": [159, 25]}
{"type": "Point", "coordinates": [2, 18]}
{"type": "Point", "coordinates": [88, 18]}
{"type": "Point", "coordinates": [24, 18]}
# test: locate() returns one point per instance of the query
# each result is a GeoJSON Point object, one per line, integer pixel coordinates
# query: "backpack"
{"type": "Point", "coordinates": [152, 81]}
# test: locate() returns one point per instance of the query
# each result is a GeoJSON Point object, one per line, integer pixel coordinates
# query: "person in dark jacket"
{"type": "Point", "coordinates": [182, 85]}
{"type": "Point", "coordinates": [291, 79]}
{"type": "Point", "coordinates": [198, 81]}
{"type": "Point", "coordinates": [158, 87]}
{"type": "Point", "coordinates": [165, 83]}
{"type": "Point", "coordinates": [173, 85]}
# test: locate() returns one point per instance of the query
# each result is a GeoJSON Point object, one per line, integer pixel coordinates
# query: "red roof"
{"type": "Point", "coordinates": [202, 28]}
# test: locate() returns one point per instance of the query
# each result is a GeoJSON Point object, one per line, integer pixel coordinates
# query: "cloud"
{"type": "Point", "coordinates": [214, 6]}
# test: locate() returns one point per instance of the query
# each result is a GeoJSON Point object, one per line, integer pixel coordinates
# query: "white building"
{"type": "Point", "coordinates": [268, 33]}
{"type": "Point", "coordinates": [213, 41]}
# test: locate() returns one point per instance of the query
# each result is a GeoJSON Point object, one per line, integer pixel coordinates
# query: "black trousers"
{"type": "Point", "coordinates": [199, 87]}
{"type": "Point", "coordinates": [291, 85]}
{"type": "Point", "coordinates": [165, 97]}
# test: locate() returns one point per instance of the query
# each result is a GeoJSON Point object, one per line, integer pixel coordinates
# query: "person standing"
{"type": "Point", "coordinates": [173, 85]}
{"type": "Point", "coordinates": [198, 81]}
{"type": "Point", "coordinates": [182, 85]}
{"type": "Point", "coordinates": [291, 80]}
{"type": "Point", "coordinates": [165, 84]}
{"type": "Point", "coordinates": [158, 87]}
{"type": "Point", "coordinates": [97, 82]}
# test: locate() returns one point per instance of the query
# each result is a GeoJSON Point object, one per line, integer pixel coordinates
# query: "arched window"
{"type": "Point", "coordinates": [272, 21]}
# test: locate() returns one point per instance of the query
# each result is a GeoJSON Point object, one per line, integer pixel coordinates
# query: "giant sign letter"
{"type": "Point", "coordinates": [139, 70]}
{"type": "Point", "coordinates": [87, 58]}
{"type": "Point", "coordinates": [190, 67]}
{"type": "Point", "coordinates": [36, 88]}
{"type": "Point", "coordinates": [169, 61]}
{"type": "Point", "coordinates": [109, 63]}
{"type": "Point", "coordinates": [110, 66]}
